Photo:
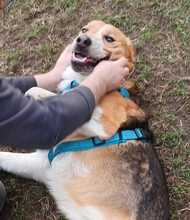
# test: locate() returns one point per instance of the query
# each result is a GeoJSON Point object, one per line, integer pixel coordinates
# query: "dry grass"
{"type": "Point", "coordinates": [34, 33]}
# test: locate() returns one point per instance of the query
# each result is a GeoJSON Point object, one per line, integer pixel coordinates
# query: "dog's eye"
{"type": "Point", "coordinates": [84, 30]}
{"type": "Point", "coordinates": [109, 39]}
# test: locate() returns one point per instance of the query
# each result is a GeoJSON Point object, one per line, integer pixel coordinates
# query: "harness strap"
{"type": "Point", "coordinates": [91, 143]}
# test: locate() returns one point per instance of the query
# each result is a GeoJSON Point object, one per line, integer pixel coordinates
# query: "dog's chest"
{"type": "Point", "coordinates": [69, 73]}
{"type": "Point", "coordinates": [67, 165]}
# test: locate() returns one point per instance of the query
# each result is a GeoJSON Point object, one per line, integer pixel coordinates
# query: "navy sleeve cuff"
{"type": "Point", "coordinates": [23, 83]}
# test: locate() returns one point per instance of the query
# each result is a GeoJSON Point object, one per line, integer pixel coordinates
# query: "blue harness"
{"type": "Point", "coordinates": [87, 144]}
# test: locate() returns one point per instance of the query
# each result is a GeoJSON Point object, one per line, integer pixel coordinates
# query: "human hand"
{"type": "Point", "coordinates": [107, 76]}
{"type": "Point", "coordinates": [112, 73]}
{"type": "Point", "coordinates": [62, 63]}
{"type": "Point", "coordinates": [51, 79]}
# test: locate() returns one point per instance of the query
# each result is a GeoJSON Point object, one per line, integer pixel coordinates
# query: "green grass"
{"type": "Point", "coordinates": [120, 20]}
{"type": "Point", "coordinates": [178, 18]}
{"type": "Point", "coordinates": [146, 36]}
{"type": "Point", "coordinates": [45, 51]}
{"type": "Point", "coordinates": [170, 117]}
{"type": "Point", "coordinates": [144, 68]}
{"type": "Point", "coordinates": [14, 58]}
{"type": "Point", "coordinates": [181, 18]}
{"type": "Point", "coordinates": [179, 191]}
{"type": "Point", "coordinates": [179, 88]}
{"type": "Point", "coordinates": [171, 138]}
{"type": "Point", "coordinates": [68, 5]}
{"type": "Point", "coordinates": [35, 31]}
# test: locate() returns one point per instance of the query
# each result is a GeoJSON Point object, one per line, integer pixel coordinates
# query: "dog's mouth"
{"type": "Point", "coordinates": [83, 63]}
{"type": "Point", "coordinates": [87, 60]}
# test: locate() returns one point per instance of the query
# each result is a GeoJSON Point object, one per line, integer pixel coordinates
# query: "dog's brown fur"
{"type": "Point", "coordinates": [126, 182]}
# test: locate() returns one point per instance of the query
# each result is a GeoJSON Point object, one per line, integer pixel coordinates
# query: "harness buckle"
{"type": "Point", "coordinates": [97, 141]}
{"type": "Point", "coordinates": [140, 133]}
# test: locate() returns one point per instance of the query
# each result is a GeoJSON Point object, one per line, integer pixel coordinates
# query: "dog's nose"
{"type": "Point", "coordinates": [84, 41]}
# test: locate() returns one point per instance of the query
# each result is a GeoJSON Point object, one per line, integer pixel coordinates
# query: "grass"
{"type": "Point", "coordinates": [146, 36]}
{"type": "Point", "coordinates": [145, 70]}
{"type": "Point", "coordinates": [45, 51]}
{"type": "Point", "coordinates": [64, 4]}
{"type": "Point", "coordinates": [36, 30]}
{"type": "Point", "coordinates": [14, 58]}
{"type": "Point", "coordinates": [34, 34]}
{"type": "Point", "coordinates": [180, 89]}
{"type": "Point", "coordinates": [172, 138]}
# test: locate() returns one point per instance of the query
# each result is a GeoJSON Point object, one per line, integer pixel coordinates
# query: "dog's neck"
{"type": "Point", "coordinates": [70, 74]}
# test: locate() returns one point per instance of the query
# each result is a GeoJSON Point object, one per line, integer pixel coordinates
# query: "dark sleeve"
{"type": "Point", "coordinates": [23, 83]}
{"type": "Point", "coordinates": [27, 123]}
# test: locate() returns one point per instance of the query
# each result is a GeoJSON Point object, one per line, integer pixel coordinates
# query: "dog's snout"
{"type": "Point", "coordinates": [84, 41]}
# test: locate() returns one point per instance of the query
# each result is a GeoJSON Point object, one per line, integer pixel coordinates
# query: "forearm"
{"type": "Point", "coordinates": [27, 123]}
{"type": "Point", "coordinates": [97, 87]}
{"type": "Point", "coordinates": [48, 81]}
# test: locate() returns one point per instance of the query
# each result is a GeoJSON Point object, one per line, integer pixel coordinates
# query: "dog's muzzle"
{"type": "Point", "coordinates": [81, 60]}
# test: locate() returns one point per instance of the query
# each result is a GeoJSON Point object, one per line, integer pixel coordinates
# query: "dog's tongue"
{"type": "Point", "coordinates": [88, 60]}
{"type": "Point", "coordinates": [83, 59]}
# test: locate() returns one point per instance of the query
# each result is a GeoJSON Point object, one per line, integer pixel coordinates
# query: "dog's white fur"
{"type": "Point", "coordinates": [36, 166]}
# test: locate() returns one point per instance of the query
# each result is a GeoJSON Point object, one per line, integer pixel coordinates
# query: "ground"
{"type": "Point", "coordinates": [33, 34]}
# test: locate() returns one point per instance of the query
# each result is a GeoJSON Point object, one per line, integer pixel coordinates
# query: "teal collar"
{"type": "Point", "coordinates": [87, 144]}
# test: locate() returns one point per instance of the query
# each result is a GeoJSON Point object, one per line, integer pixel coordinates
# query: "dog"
{"type": "Point", "coordinates": [117, 182]}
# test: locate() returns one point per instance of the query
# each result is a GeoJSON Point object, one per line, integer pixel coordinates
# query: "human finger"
{"type": "Point", "coordinates": [123, 62]}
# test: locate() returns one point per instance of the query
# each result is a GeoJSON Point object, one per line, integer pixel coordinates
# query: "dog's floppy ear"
{"type": "Point", "coordinates": [130, 54]}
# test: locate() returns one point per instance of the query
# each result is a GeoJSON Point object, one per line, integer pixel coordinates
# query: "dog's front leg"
{"type": "Point", "coordinates": [114, 111]}
{"type": "Point", "coordinates": [94, 127]}
{"type": "Point", "coordinates": [39, 93]}
{"type": "Point", "coordinates": [29, 165]}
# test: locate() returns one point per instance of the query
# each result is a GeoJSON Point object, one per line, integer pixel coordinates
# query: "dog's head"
{"type": "Point", "coordinates": [99, 41]}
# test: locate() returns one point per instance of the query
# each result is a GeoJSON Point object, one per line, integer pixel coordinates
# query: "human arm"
{"type": "Point", "coordinates": [27, 123]}
{"type": "Point", "coordinates": [48, 80]}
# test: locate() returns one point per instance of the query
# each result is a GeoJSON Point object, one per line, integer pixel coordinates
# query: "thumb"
{"type": "Point", "coordinates": [123, 62]}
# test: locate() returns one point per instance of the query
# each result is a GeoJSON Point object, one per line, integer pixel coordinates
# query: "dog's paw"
{"type": "Point", "coordinates": [2, 159]}
{"type": "Point", "coordinates": [39, 93]}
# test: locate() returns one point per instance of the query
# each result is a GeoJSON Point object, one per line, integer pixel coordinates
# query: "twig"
{"type": "Point", "coordinates": [184, 210]}
{"type": "Point", "coordinates": [185, 78]}
{"type": "Point", "coordinates": [163, 91]}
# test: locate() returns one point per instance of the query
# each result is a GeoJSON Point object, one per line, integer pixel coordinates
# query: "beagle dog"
{"type": "Point", "coordinates": [119, 182]}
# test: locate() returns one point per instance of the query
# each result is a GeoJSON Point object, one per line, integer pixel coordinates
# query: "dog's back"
{"type": "Point", "coordinates": [122, 182]}
{"type": "Point", "coordinates": [147, 182]}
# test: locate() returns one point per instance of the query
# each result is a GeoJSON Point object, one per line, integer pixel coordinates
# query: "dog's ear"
{"type": "Point", "coordinates": [130, 54]}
